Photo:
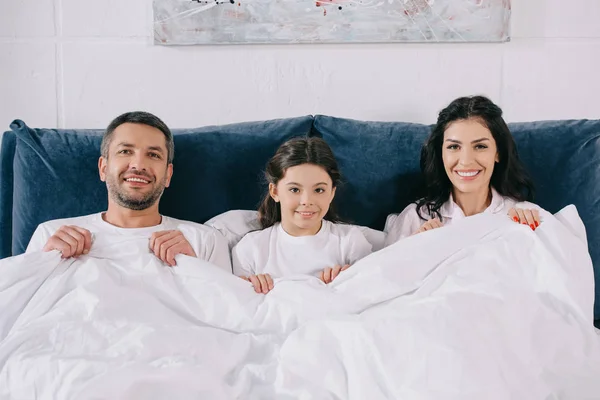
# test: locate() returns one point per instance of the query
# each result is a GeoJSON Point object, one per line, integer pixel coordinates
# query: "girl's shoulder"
{"type": "Point", "coordinates": [345, 230]}
{"type": "Point", "coordinates": [250, 239]}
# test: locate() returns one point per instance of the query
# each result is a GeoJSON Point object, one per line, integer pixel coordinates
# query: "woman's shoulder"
{"type": "Point", "coordinates": [409, 214]}
{"type": "Point", "coordinates": [510, 202]}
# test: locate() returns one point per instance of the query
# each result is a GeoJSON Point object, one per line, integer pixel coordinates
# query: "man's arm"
{"type": "Point", "coordinates": [193, 240]}
{"type": "Point", "coordinates": [39, 239]}
{"type": "Point", "coordinates": [219, 255]}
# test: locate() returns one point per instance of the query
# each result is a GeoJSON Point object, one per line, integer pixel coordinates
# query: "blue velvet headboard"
{"type": "Point", "coordinates": [47, 174]}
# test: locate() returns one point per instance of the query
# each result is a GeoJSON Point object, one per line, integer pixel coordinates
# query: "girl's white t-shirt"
{"type": "Point", "coordinates": [275, 252]}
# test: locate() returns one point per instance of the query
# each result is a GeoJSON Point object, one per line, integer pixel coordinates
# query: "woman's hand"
{"type": "Point", "coordinates": [429, 225]}
{"type": "Point", "coordinates": [525, 217]}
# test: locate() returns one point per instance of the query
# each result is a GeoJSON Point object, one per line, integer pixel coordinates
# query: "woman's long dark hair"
{"type": "Point", "coordinates": [297, 151]}
{"type": "Point", "coordinates": [509, 178]}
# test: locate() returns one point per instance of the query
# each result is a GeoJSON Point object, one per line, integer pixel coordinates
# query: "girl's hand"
{"type": "Point", "coordinates": [262, 282]}
{"type": "Point", "coordinates": [429, 225]}
{"type": "Point", "coordinates": [329, 274]}
{"type": "Point", "coordinates": [525, 217]}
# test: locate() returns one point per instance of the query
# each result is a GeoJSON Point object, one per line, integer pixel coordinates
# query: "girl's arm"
{"type": "Point", "coordinates": [244, 267]}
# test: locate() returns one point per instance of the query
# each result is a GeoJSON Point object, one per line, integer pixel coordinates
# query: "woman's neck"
{"type": "Point", "coordinates": [473, 203]}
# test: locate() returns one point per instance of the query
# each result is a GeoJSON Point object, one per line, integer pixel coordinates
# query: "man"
{"type": "Point", "coordinates": [137, 164]}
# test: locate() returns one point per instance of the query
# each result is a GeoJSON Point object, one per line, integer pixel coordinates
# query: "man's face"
{"type": "Point", "coordinates": [136, 171]}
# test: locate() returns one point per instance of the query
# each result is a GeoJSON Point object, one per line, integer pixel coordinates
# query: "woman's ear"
{"type": "Point", "coordinates": [497, 159]}
{"type": "Point", "coordinates": [273, 192]}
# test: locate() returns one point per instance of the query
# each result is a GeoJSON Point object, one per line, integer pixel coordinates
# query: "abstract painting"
{"type": "Point", "coordinates": [180, 22]}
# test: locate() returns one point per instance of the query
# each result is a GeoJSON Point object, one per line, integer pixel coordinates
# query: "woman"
{"type": "Point", "coordinates": [470, 165]}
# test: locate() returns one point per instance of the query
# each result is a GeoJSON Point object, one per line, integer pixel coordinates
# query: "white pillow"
{"type": "Point", "coordinates": [235, 224]}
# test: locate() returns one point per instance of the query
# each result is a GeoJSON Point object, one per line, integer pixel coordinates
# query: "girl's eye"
{"type": "Point", "coordinates": [320, 190]}
{"type": "Point", "coordinates": [452, 147]}
{"type": "Point", "coordinates": [481, 146]}
{"type": "Point", "coordinates": [294, 190]}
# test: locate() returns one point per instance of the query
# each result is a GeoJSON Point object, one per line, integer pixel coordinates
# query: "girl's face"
{"type": "Point", "coordinates": [305, 193]}
{"type": "Point", "coordinates": [469, 153]}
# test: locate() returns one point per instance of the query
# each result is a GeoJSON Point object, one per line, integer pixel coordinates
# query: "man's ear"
{"type": "Point", "coordinates": [273, 192]}
{"type": "Point", "coordinates": [169, 174]}
{"type": "Point", "coordinates": [102, 162]}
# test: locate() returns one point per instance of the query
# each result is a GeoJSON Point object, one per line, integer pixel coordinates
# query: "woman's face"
{"type": "Point", "coordinates": [469, 153]}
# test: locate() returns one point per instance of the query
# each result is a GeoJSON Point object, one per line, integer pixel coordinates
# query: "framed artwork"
{"type": "Point", "coordinates": [188, 22]}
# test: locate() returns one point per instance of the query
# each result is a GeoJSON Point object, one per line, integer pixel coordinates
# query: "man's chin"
{"type": "Point", "coordinates": [136, 202]}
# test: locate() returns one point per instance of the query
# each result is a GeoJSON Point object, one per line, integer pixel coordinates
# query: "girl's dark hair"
{"type": "Point", "coordinates": [297, 151]}
{"type": "Point", "coordinates": [509, 177]}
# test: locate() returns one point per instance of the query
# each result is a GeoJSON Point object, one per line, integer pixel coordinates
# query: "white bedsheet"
{"type": "Point", "coordinates": [482, 309]}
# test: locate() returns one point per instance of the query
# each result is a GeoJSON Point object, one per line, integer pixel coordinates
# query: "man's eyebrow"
{"type": "Point", "coordinates": [153, 148]}
{"type": "Point", "coordinates": [156, 148]}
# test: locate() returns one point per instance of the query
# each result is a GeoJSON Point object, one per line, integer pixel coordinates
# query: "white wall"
{"type": "Point", "coordinates": [79, 63]}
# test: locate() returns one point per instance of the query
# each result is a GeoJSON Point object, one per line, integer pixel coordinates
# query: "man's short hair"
{"type": "Point", "coordinates": [138, 117]}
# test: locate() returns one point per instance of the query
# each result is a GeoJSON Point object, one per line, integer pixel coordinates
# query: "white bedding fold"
{"type": "Point", "coordinates": [484, 308]}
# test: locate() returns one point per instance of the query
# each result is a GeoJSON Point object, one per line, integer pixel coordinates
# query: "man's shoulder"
{"type": "Point", "coordinates": [201, 229]}
{"type": "Point", "coordinates": [81, 222]}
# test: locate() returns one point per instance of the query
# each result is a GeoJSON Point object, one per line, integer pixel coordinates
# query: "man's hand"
{"type": "Point", "coordinates": [70, 240]}
{"type": "Point", "coordinates": [167, 244]}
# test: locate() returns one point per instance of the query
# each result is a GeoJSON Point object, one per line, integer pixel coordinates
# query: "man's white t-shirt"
{"type": "Point", "coordinates": [208, 243]}
{"type": "Point", "coordinates": [273, 251]}
{"type": "Point", "coordinates": [408, 222]}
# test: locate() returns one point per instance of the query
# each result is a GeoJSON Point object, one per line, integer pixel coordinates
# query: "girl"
{"type": "Point", "coordinates": [470, 165]}
{"type": "Point", "coordinates": [300, 230]}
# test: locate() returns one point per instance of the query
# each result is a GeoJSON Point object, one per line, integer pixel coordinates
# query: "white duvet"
{"type": "Point", "coordinates": [482, 309]}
